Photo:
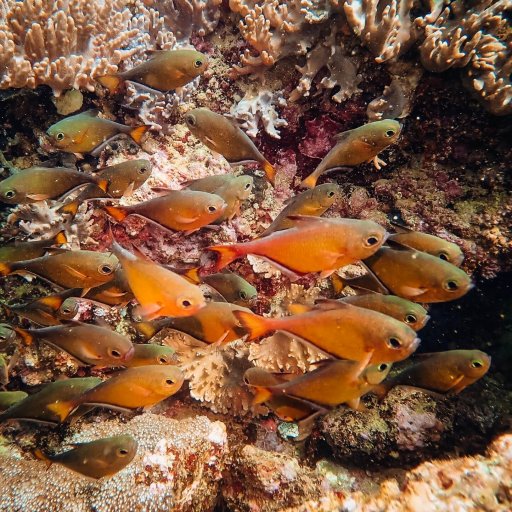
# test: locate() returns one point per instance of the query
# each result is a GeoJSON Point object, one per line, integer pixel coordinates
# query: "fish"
{"type": "Point", "coordinates": [96, 459]}
{"type": "Point", "coordinates": [447, 372]}
{"type": "Point", "coordinates": [19, 251]}
{"type": "Point", "coordinates": [166, 70]}
{"type": "Point", "coordinates": [132, 388]}
{"type": "Point", "coordinates": [87, 133]}
{"type": "Point", "coordinates": [35, 408]}
{"type": "Point", "coordinates": [4, 371]}
{"type": "Point", "coordinates": [224, 136]}
{"type": "Point", "coordinates": [414, 315]}
{"type": "Point", "coordinates": [115, 292]}
{"type": "Point", "coordinates": [346, 332]}
{"type": "Point", "coordinates": [314, 202]}
{"type": "Point", "coordinates": [354, 147]}
{"type": "Point", "coordinates": [40, 183]}
{"type": "Point", "coordinates": [334, 383]}
{"type": "Point", "coordinates": [431, 244]}
{"type": "Point", "coordinates": [122, 179]}
{"type": "Point", "coordinates": [234, 194]}
{"type": "Point", "coordinates": [314, 245]}
{"type": "Point", "coordinates": [413, 275]}
{"type": "Point", "coordinates": [146, 354]}
{"type": "Point", "coordinates": [49, 310]}
{"type": "Point", "coordinates": [7, 335]}
{"type": "Point", "coordinates": [69, 269]}
{"type": "Point", "coordinates": [159, 291]}
{"type": "Point", "coordinates": [9, 398]}
{"type": "Point", "coordinates": [215, 323]}
{"type": "Point", "coordinates": [232, 287]}
{"type": "Point", "coordinates": [89, 344]}
{"type": "Point", "coordinates": [178, 210]}
{"type": "Point", "coordinates": [209, 183]}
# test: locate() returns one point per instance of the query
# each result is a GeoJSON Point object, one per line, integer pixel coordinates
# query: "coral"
{"type": "Point", "coordinates": [260, 106]}
{"type": "Point", "coordinates": [181, 471]}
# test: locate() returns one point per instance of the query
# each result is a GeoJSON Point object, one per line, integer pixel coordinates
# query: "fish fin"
{"type": "Point", "coordinates": [309, 181]}
{"type": "Point", "coordinates": [357, 405]}
{"type": "Point", "coordinates": [411, 291]}
{"type": "Point", "coordinates": [25, 335]}
{"type": "Point", "coordinates": [297, 309]}
{"type": "Point", "coordinates": [401, 228]}
{"type": "Point", "coordinates": [337, 283]}
{"type": "Point", "coordinates": [74, 272]}
{"type": "Point", "coordinates": [71, 208]}
{"type": "Point", "coordinates": [103, 185]}
{"type": "Point", "coordinates": [110, 82]}
{"type": "Point", "coordinates": [329, 304]}
{"type": "Point", "coordinates": [381, 390]}
{"type": "Point", "coordinates": [193, 275]}
{"type": "Point", "coordinates": [256, 326]}
{"type": "Point", "coordinates": [306, 220]}
{"type": "Point", "coordinates": [38, 197]}
{"type": "Point", "coordinates": [137, 132]}
{"type": "Point", "coordinates": [62, 409]}
{"type": "Point", "coordinates": [92, 112]}
{"type": "Point", "coordinates": [117, 212]}
{"type": "Point", "coordinates": [5, 269]}
{"type": "Point", "coordinates": [52, 301]}
{"type": "Point", "coordinates": [41, 456]}
{"type": "Point", "coordinates": [270, 172]}
{"type": "Point", "coordinates": [148, 312]}
{"type": "Point", "coordinates": [60, 238]}
{"type": "Point", "coordinates": [129, 190]}
{"type": "Point", "coordinates": [369, 282]}
{"type": "Point", "coordinates": [326, 273]}
{"type": "Point", "coordinates": [262, 395]}
{"type": "Point", "coordinates": [225, 255]}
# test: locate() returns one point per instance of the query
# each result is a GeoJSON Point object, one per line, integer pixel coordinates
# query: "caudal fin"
{"type": "Point", "coordinates": [62, 409]}
{"type": "Point", "coordinates": [225, 255]}
{"type": "Point", "coordinates": [137, 133]}
{"type": "Point", "coordinates": [193, 275]}
{"type": "Point", "coordinates": [41, 456]}
{"type": "Point", "coordinates": [118, 213]}
{"type": "Point", "coordinates": [256, 326]}
{"type": "Point", "coordinates": [25, 335]}
{"type": "Point", "coordinates": [71, 208]}
{"type": "Point", "coordinates": [60, 238]}
{"type": "Point", "coordinates": [5, 269]}
{"type": "Point", "coordinates": [270, 172]}
{"type": "Point", "coordinates": [261, 395]}
{"type": "Point", "coordinates": [310, 181]}
{"type": "Point", "coordinates": [111, 82]}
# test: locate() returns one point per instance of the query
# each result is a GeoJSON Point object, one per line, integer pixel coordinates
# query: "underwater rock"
{"type": "Point", "coordinates": [178, 467]}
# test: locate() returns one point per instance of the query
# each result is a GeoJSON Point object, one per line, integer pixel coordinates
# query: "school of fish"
{"type": "Point", "coordinates": [361, 334]}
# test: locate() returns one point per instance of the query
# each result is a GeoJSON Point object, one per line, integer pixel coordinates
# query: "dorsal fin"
{"type": "Point", "coordinates": [93, 112]}
{"type": "Point", "coordinates": [339, 137]}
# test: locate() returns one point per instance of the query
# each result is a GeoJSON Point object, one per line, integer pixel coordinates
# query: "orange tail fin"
{"type": "Point", "coordinates": [27, 338]}
{"type": "Point", "coordinates": [41, 456]}
{"type": "Point", "coordinates": [310, 181]}
{"type": "Point", "coordinates": [137, 133]}
{"type": "Point", "coordinates": [5, 269]}
{"type": "Point", "coordinates": [261, 395]}
{"type": "Point", "coordinates": [116, 212]}
{"type": "Point", "coordinates": [60, 238]}
{"type": "Point", "coordinates": [62, 409]}
{"type": "Point", "coordinates": [255, 326]}
{"type": "Point", "coordinates": [337, 283]}
{"type": "Point", "coordinates": [71, 207]}
{"type": "Point", "coordinates": [270, 172]}
{"type": "Point", "coordinates": [226, 254]}
{"type": "Point", "coordinates": [147, 329]}
{"type": "Point", "coordinates": [193, 275]}
{"type": "Point", "coordinates": [111, 82]}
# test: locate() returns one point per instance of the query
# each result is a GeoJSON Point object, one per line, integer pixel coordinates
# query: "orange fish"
{"type": "Point", "coordinates": [151, 354]}
{"type": "Point", "coordinates": [225, 137]}
{"type": "Point", "coordinates": [346, 332]}
{"type": "Point", "coordinates": [20, 251]}
{"type": "Point", "coordinates": [178, 210]}
{"type": "Point", "coordinates": [159, 291]}
{"type": "Point", "coordinates": [314, 245]}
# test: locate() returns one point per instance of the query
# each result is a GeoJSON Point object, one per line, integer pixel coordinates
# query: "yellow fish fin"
{"type": "Point", "coordinates": [356, 405]}
{"type": "Point", "coordinates": [226, 254]}
{"type": "Point", "coordinates": [310, 181]}
{"type": "Point", "coordinates": [270, 172]}
{"type": "Point", "coordinates": [193, 275]}
{"type": "Point", "coordinates": [53, 301]}
{"type": "Point", "coordinates": [261, 395]}
{"type": "Point", "coordinates": [137, 133]}
{"type": "Point", "coordinates": [256, 326]}
{"type": "Point", "coordinates": [75, 272]}
{"type": "Point", "coordinates": [61, 409]}
{"type": "Point", "coordinates": [71, 207]}
{"type": "Point", "coordinates": [60, 238]}
{"type": "Point", "coordinates": [117, 212]}
{"type": "Point", "coordinates": [5, 269]}
{"type": "Point", "coordinates": [111, 82]}
{"type": "Point", "coordinates": [103, 184]}
{"type": "Point", "coordinates": [25, 335]}
{"type": "Point", "coordinates": [296, 308]}
{"type": "Point", "coordinates": [337, 283]}
{"type": "Point", "coordinates": [41, 456]}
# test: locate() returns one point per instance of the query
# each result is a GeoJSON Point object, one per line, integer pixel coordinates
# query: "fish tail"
{"type": "Point", "coordinates": [256, 326]}
{"type": "Point", "coordinates": [103, 184]}
{"type": "Point", "coordinates": [270, 172]}
{"type": "Point", "coordinates": [118, 213]}
{"type": "Point", "coordinates": [25, 335]}
{"type": "Point", "coordinates": [60, 238]}
{"type": "Point", "coordinates": [71, 207]}
{"type": "Point", "coordinates": [310, 181]}
{"type": "Point", "coordinates": [111, 82]}
{"type": "Point", "coordinates": [147, 329]}
{"type": "Point", "coordinates": [337, 283]}
{"type": "Point", "coordinates": [225, 255]}
{"type": "Point", "coordinates": [193, 275]}
{"type": "Point", "coordinates": [41, 456]}
{"type": "Point", "coordinates": [137, 132]}
{"type": "Point", "coordinates": [62, 409]}
{"type": "Point", "coordinates": [262, 395]}
{"type": "Point", "coordinates": [5, 269]}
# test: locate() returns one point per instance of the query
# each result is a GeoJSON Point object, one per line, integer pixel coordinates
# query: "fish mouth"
{"type": "Point", "coordinates": [129, 354]}
{"type": "Point", "coordinates": [415, 344]}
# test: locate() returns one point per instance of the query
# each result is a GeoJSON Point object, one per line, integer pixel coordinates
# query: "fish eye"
{"type": "Point", "coordinates": [443, 256]}
{"type": "Point", "coordinates": [59, 136]}
{"type": "Point", "coordinates": [170, 382]}
{"type": "Point", "coordinates": [330, 193]}
{"type": "Point", "coordinates": [372, 240]}
{"type": "Point", "coordinates": [186, 303]}
{"type": "Point", "coordinates": [105, 269]}
{"type": "Point", "coordinates": [142, 170]}
{"type": "Point", "coordinates": [246, 380]}
{"type": "Point", "coordinates": [243, 295]}
{"type": "Point", "coordinates": [394, 343]}
{"type": "Point", "coordinates": [198, 63]}
{"type": "Point", "coordinates": [410, 318]}
{"type": "Point", "coordinates": [162, 360]}
{"type": "Point", "coordinates": [212, 209]}
{"type": "Point", "coordinates": [451, 286]}
{"type": "Point", "coordinates": [390, 133]}
{"type": "Point", "coordinates": [247, 186]}
{"type": "Point", "coordinates": [122, 452]}
{"type": "Point", "coordinates": [382, 367]}
{"type": "Point", "coordinates": [9, 194]}
{"type": "Point", "coordinates": [476, 364]}
{"type": "Point", "coordinates": [115, 353]}
{"type": "Point", "coordinates": [190, 120]}
{"type": "Point", "coordinates": [66, 310]}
